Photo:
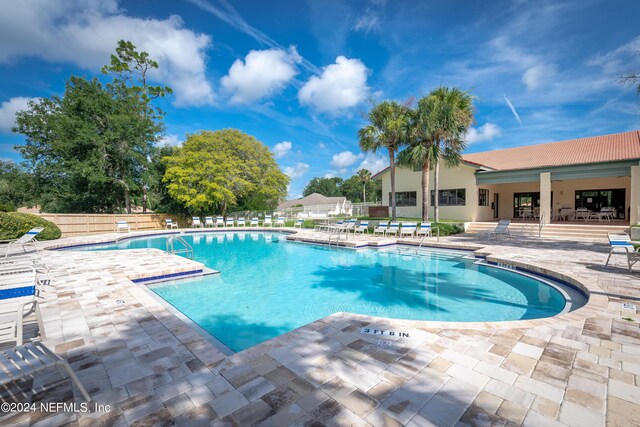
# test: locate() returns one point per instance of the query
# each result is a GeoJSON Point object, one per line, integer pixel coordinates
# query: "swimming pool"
{"type": "Point", "coordinates": [268, 286]}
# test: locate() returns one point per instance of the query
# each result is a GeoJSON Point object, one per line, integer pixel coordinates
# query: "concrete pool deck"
{"type": "Point", "coordinates": [153, 368]}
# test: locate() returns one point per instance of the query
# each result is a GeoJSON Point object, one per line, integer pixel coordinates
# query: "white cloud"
{"type": "Point", "coordinates": [281, 149]}
{"type": "Point", "coordinates": [513, 110]}
{"type": "Point", "coordinates": [329, 175]}
{"type": "Point", "coordinates": [262, 73]}
{"type": "Point", "coordinates": [344, 159]}
{"type": "Point", "coordinates": [538, 75]}
{"type": "Point", "coordinates": [170, 139]}
{"type": "Point", "coordinates": [340, 86]}
{"type": "Point", "coordinates": [486, 132]}
{"type": "Point", "coordinates": [86, 32]}
{"type": "Point", "coordinates": [322, 145]}
{"type": "Point", "coordinates": [8, 110]}
{"type": "Point", "coordinates": [297, 170]}
{"type": "Point", "coordinates": [373, 163]}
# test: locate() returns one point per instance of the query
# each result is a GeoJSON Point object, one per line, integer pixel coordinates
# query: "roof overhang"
{"type": "Point", "coordinates": [558, 173]}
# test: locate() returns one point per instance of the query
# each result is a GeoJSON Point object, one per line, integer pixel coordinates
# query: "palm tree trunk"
{"type": "Point", "coordinates": [392, 166]}
{"type": "Point", "coordinates": [436, 188]}
{"type": "Point", "coordinates": [425, 190]}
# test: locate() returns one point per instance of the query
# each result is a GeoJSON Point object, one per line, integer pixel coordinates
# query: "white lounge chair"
{"type": "Point", "coordinates": [362, 227]}
{"type": "Point", "coordinates": [621, 244]}
{"type": "Point", "coordinates": [267, 221]}
{"type": "Point", "coordinates": [170, 224]}
{"type": "Point", "coordinates": [229, 222]}
{"type": "Point", "coordinates": [254, 222]}
{"type": "Point", "coordinates": [299, 223]}
{"type": "Point", "coordinates": [195, 222]}
{"type": "Point", "coordinates": [122, 226]}
{"type": "Point", "coordinates": [219, 221]}
{"type": "Point", "coordinates": [279, 222]}
{"type": "Point", "coordinates": [241, 222]}
{"type": "Point", "coordinates": [424, 230]}
{"type": "Point", "coordinates": [381, 228]}
{"type": "Point", "coordinates": [208, 222]}
{"type": "Point", "coordinates": [394, 227]}
{"type": "Point", "coordinates": [26, 361]}
{"type": "Point", "coordinates": [28, 238]}
{"type": "Point", "coordinates": [502, 229]}
{"type": "Point", "coordinates": [408, 228]}
{"type": "Point", "coordinates": [18, 291]}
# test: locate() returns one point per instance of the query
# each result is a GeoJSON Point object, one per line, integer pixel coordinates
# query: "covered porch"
{"type": "Point", "coordinates": [596, 193]}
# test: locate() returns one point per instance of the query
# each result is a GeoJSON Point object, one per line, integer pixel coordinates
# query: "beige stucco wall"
{"type": "Point", "coordinates": [450, 178]}
{"type": "Point", "coordinates": [463, 177]}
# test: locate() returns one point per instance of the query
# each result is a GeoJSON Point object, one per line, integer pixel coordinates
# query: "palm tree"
{"type": "Point", "coordinates": [421, 151]}
{"type": "Point", "coordinates": [365, 178]}
{"type": "Point", "coordinates": [387, 129]}
{"type": "Point", "coordinates": [450, 113]}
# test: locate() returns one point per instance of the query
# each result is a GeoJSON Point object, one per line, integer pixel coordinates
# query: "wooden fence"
{"type": "Point", "coordinates": [84, 224]}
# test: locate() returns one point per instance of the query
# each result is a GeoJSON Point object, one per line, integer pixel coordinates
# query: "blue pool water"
{"type": "Point", "coordinates": [269, 286]}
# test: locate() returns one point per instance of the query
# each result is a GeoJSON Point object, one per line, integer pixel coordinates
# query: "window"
{"type": "Point", "coordinates": [483, 197]}
{"type": "Point", "coordinates": [454, 197]}
{"type": "Point", "coordinates": [405, 198]}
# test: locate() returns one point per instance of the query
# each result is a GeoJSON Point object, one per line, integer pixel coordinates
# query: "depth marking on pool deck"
{"type": "Point", "coordinates": [372, 331]}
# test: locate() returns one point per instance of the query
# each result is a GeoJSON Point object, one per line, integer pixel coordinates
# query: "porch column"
{"type": "Point", "coordinates": [545, 196]}
{"type": "Point", "coordinates": [634, 202]}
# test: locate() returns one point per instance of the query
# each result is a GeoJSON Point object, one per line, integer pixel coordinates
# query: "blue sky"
{"type": "Point", "coordinates": [301, 75]}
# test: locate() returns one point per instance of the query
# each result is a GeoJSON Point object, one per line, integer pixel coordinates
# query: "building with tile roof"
{"type": "Point", "coordinates": [586, 174]}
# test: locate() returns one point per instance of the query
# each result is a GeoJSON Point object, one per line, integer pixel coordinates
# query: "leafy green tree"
{"type": "Point", "coordinates": [83, 148]}
{"type": "Point", "coordinates": [217, 171]}
{"type": "Point", "coordinates": [16, 185]}
{"type": "Point", "coordinates": [364, 176]}
{"type": "Point", "coordinates": [351, 189]}
{"type": "Point", "coordinates": [131, 69]}
{"type": "Point", "coordinates": [329, 187]}
{"type": "Point", "coordinates": [450, 113]}
{"type": "Point", "coordinates": [387, 130]}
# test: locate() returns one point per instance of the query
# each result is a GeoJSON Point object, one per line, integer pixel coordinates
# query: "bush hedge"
{"type": "Point", "coordinates": [7, 207]}
{"type": "Point", "coordinates": [15, 224]}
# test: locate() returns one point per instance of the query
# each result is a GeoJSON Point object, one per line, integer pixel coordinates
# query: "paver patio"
{"type": "Point", "coordinates": [155, 368]}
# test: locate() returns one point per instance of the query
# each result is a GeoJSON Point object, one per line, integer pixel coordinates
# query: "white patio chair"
{"type": "Point", "coordinates": [424, 230]}
{"type": "Point", "coordinates": [502, 229]}
{"type": "Point", "coordinates": [26, 361]}
{"type": "Point", "coordinates": [620, 243]}
{"type": "Point", "coordinates": [241, 222]}
{"type": "Point", "coordinates": [279, 222]}
{"type": "Point", "coordinates": [408, 228]}
{"type": "Point", "coordinates": [394, 228]}
{"type": "Point", "coordinates": [229, 222]}
{"type": "Point", "coordinates": [254, 222]}
{"type": "Point", "coordinates": [219, 221]}
{"type": "Point", "coordinates": [208, 222]}
{"type": "Point", "coordinates": [363, 227]}
{"type": "Point", "coordinates": [299, 223]}
{"type": "Point", "coordinates": [381, 228]}
{"type": "Point", "coordinates": [28, 238]}
{"type": "Point", "coordinates": [18, 292]}
{"type": "Point", "coordinates": [170, 224]}
{"type": "Point", "coordinates": [195, 222]}
{"type": "Point", "coordinates": [122, 226]}
{"type": "Point", "coordinates": [267, 221]}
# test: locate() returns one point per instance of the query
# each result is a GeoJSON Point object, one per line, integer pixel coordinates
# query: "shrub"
{"type": "Point", "coordinates": [7, 207]}
{"type": "Point", "coordinates": [448, 228]}
{"type": "Point", "coordinates": [15, 224]}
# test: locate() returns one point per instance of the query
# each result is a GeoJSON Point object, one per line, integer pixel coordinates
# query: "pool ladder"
{"type": "Point", "coordinates": [185, 249]}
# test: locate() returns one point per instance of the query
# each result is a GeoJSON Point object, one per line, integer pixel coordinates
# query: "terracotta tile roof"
{"type": "Point", "coordinates": [605, 148]}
